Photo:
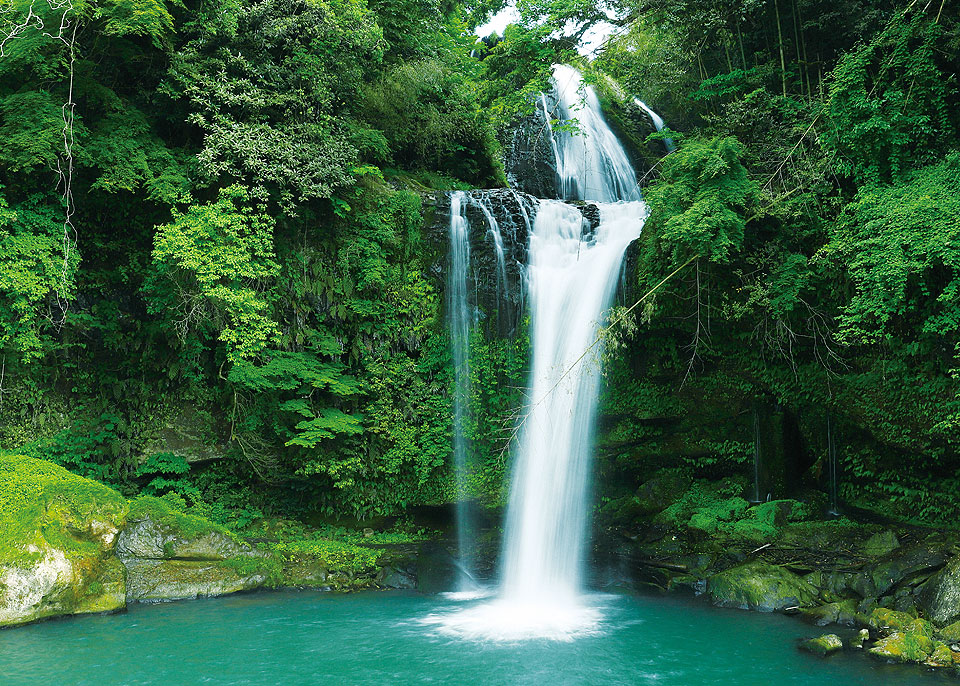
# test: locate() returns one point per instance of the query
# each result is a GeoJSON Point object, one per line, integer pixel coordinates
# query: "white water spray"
{"type": "Point", "coordinates": [591, 163]}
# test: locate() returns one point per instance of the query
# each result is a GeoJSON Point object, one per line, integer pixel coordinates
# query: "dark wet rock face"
{"type": "Point", "coordinates": [496, 292]}
{"type": "Point", "coordinates": [940, 596]}
{"type": "Point", "coordinates": [529, 160]}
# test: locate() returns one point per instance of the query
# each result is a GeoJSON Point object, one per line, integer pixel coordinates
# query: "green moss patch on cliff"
{"type": "Point", "coordinates": [168, 512]}
{"type": "Point", "coordinates": [42, 503]}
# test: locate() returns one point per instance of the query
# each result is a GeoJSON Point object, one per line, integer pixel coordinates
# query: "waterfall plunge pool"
{"type": "Point", "coordinates": [312, 638]}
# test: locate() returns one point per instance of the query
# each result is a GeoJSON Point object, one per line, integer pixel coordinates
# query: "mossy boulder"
{"type": "Point", "coordinates": [157, 530]}
{"type": "Point", "coordinates": [940, 596]}
{"type": "Point", "coordinates": [941, 656]}
{"type": "Point", "coordinates": [172, 555]}
{"type": "Point", "coordinates": [656, 494]}
{"type": "Point", "coordinates": [57, 537]}
{"type": "Point", "coordinates": [888, 621]}
{"type": "Point", "coordinates": [760, 586]}
{"type": "Point", "coordinates": [841, 612]}
{"type": "Point", "coordinates": [881, 544]}
{"type": "Point", "coordinates": [823, 645]}
{"type": "Point", "coordinates": [162, 580]}
{"type": "Point", "coordinates": [950, 633]}
{"type": "Point", "coordinates": [904, 646]}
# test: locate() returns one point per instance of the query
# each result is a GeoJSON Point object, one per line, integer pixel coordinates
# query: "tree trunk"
{"type": "Point", "coordinates": [783, 61]}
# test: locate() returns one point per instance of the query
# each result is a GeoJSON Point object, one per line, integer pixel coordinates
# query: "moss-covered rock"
{"type": "Point", "coordinates": [862, 637]}
{"type": "Point", "coordinates": [157, 530]}
{"type": "Point", "coordinates": [57, 537]}
{"type": "Point", "coordinates": [887, 621]}
{"type": "Point", "coordinates": [905, 646]}
{"type": "Point", "coordinates": [760, 586]}
{"type": "Point", "coordinates": [161, 580]}
{"type": "Point", "coordinates": [940, 597]}
{"type": "Point", "coordinates": [823, 645]}
{"type": "Point", "coordinates": [950, 633]}
{"type": "Point", "coordinates": [172, 555]}
{"type": "Point", "coordinates": [941, 656]}
{"type": "Point", "coordinates": [841, 612]}
{"type": "Point", "coordinates": [656, 494]}
{"type": "Point", "coordinates": [881, 544]}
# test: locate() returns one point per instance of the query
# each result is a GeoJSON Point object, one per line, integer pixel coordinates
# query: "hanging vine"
{"type": "Point", "coordinates": [65, 32]}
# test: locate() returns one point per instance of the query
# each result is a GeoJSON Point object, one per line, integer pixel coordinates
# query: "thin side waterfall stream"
{"type": "Point", "coordinates": [658, 123]}
{"type": "Point", "coordinates": [572, 276]}
{"type": "Point", "coordinates": [460, 319]}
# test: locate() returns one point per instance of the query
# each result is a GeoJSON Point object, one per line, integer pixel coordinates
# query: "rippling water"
{"type": "Point", "coordinates": [312, 638]}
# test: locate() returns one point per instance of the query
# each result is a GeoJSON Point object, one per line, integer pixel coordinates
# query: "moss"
{"type": "Point", "coordinates": [904, 647]}
{"type": "Point", "coordinates": [823, 645]}
{"type": "Point", "coordinates": [41, 502]}
{"type": "Point", "coordinates": [886, 620]}
{"type": "Point", "coordinates": [881, 544]}
{"type": "Point", "coordinates": [950, 633]}
{"type": "Point", "coordinates": [167, 512]}
{"type": "Point", "coordinates": [335, 555]}
{"type": "Point", "coordinates": [269, 566]}
{"type": "Point", "coordinates": [761, 586]}
{"type": "Point", "coordinates": [840, 612]}
{"type": "Point", "coordinates": [941, 656]}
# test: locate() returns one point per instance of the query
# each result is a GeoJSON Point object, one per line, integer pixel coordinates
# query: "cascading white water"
{"type": "Point", "coordinates": [591, 163]}
{"type": "Point", "coordinates": [572, 275]}
{"type": "Point", "coordinates": [658, 123]}
{"type": "Point", "coordinates": [572, 280]}
{"type": "Point", "coordinates": [460, 316]}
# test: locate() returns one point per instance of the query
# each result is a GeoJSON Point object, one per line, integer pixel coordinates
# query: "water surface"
{"type": "Point", "coordinates": [313, 638]}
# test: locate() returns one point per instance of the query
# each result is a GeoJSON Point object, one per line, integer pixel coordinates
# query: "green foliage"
{"type": "Point", "coordinates": [429, 115]}
{"type": "Point", "coordinates": [335, 555]}
{"type": "Point", "coordinates": [33, 270]}
{"type": "Point", "coordinates": [715, 509]}
{"type": "Point", "coordinates": [171, 512]}
{"type": "Point", "coordinates": [699, 205]}
{"type": "Point", "coordinates": [893, 100]}
{"type": "Point", "coordinates": [901, 247]}
{"type": "Point", "coordinates": [212, 262]}
{"type": "Point", "coordinates": [96, 447]}
{"type": "Point", "coordinates": [149, 18]}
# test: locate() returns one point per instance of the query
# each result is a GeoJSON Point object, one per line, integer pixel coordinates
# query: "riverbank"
{"type": "Point", "coordinates": [69, 545]}
{"type": "Point", "coordinates": [900, 583]}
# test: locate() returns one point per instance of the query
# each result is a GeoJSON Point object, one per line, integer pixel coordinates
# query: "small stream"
{"type": "Point", "coordinates": [313, 638]}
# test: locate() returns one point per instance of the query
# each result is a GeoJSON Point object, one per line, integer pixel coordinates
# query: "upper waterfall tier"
{"type": "Point", "coordinates": [591, 162]}
{"type": "Point", "coordinates": [564, 161]}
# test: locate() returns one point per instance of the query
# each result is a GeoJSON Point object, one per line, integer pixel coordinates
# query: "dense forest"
{"type": "Point", "coordinates": [216, 283]}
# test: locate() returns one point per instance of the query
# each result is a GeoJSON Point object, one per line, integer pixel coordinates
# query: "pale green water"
{"type": "Point", "coordinates": [311, 638]}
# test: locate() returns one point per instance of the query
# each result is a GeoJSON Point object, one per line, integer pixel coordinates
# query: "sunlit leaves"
{"type": "Point", "coordinates": [891, 102]}
{"type": "Point", "coordinates": [216, 259]}
{"type": "Point", "coordinates": [33, 272]}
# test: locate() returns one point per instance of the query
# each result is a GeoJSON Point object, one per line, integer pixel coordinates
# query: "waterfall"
{"type": "Point", "coordinates": [572, 279]}
{"type": "Point", "coordinates": [572, 275]}
{"type": "Point", "coordinates": [657, 123]}
{"type": "Point", "coordinates": [591, 163]}
{"type": "Point", "coordinates": [493, 230]}
{"type": "Point", "coordinates": [460, 316]}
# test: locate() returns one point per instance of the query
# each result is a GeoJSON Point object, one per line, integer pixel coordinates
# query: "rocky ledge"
{"type": "Point", "coordinates": [899, 584]}
{"type": "Point", "coordinates": [69, 545]}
